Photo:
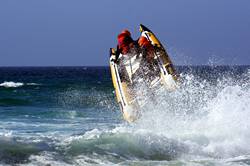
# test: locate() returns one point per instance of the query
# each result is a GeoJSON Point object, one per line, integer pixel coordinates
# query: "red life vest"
{"type": "Point", "coordinates": [147, 46]}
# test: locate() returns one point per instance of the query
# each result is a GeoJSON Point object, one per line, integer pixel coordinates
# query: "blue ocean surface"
{"type": "Point", "coordinates": [69, 116]}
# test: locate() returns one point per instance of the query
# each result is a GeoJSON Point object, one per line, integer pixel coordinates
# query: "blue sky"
{"type": "Point", "coordinates": [69, 33]}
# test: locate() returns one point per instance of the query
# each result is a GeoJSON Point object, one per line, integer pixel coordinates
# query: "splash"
{"type": "Point", "coordinates": [211, 118]}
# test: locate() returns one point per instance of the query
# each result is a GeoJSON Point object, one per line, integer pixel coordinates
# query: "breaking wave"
{"type": "Point", "coordinates": [10, 84]}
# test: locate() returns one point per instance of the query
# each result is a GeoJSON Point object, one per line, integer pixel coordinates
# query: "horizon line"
{"type": "Point", "coordinates": [108, 66]}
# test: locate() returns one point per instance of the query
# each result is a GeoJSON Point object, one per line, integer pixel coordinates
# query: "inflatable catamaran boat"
{"type": "Point", "coordinates": [164, 75]}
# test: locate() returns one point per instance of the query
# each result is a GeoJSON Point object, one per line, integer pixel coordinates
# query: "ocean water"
{"type": "Point", "coordinates": [69, 116]}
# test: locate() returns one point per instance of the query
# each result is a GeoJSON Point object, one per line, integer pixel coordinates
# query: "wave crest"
{"type": "Point", "coordinates": [11, 84]}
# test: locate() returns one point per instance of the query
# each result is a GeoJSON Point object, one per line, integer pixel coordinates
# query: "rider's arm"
{"type": "Point", "coordinates": [117, 53]}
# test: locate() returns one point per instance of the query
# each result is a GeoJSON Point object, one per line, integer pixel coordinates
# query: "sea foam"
{"type": "Point", "coordinates": [11, 84]}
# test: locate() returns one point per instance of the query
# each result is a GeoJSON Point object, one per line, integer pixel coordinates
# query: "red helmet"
{"type": "Point", "coordinates": [124, 41]}
{"type": "Point", "coordinates": [124, 37]}
{"type": "Point", "coordinates": [126, 32]}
